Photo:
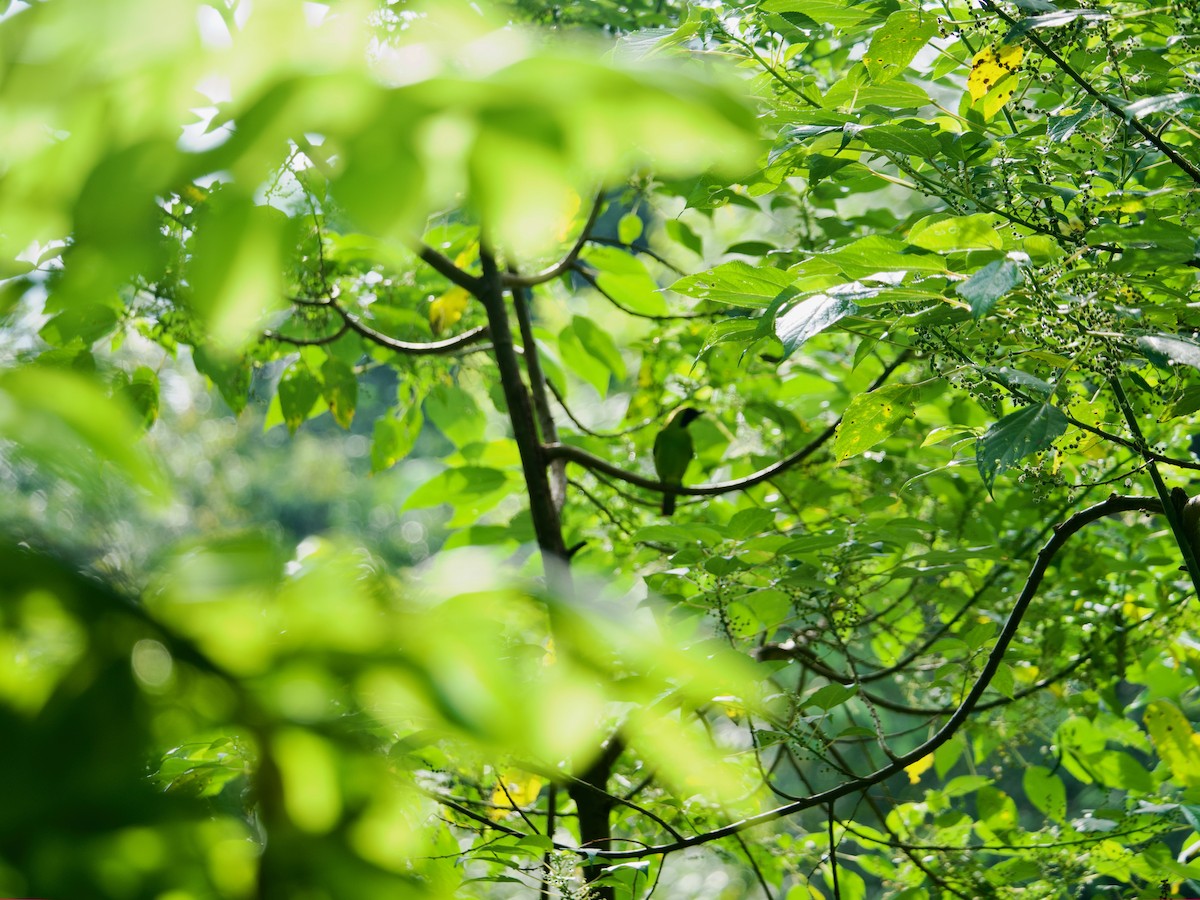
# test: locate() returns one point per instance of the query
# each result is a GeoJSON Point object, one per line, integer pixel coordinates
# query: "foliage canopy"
{"type": "Point", "coordinates": [922, 623]}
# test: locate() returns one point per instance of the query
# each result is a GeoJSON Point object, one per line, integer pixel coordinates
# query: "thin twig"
{"type": "Point", "coordinates": [1112, 506]}
{"type": "Point", "coordinates": [595, 463]}
{"type": "Point", "coordinates": [512, 279]}
{"type": "Point", "coordinates": [1159, 144]}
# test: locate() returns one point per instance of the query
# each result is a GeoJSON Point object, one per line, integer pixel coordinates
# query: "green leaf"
{"type": "Point", "coordinates": [965, 784]}
{"type": "Point", "coordinates": [1174, 741]}
{"type": "Point", "coordinates": [629, 229]}
{"type": "Point", "coordinates": [455, 486]}
{"type": "Point", "coordinates": [1061, 127]}
{"type": "Point", "coordinates": [624, 278]}
{"type": "Point", "coordinates": [1188, 402]}
{"type": "Point", "coordinates": [142, 394]}
{"type": "Point", "coordinates": [600, 345]}
{"type": "Point", "coordinates": [735, 283]}
{"type": "Point", "coordinates": [79, 318]}
{"type": "Point", "coordinates": [1164, 242]}
{"type": "Point", "coordinates": [838, 13]}
{"type": "Point", "coordinates": [1014, 437]}
{"type": "Point", "coordinates": [915, 140]}
{"type": "Point", "coordinates": [1055, 19]}
{"type": "Point", "coordinates": [682, 234]}
{"type": "Point", "coordinates": [996, 809]}
{"type": "Point", "coordinates": [299, 391]}
{"type": "Point", "coordinates": [575, 356]}
{"type": "Point", "coordinates": [394, 438]}
{"type": "Point", "coordinates": [229, 373]}
{"type": "Point", "coordinates": [816, 313]}
{"type": "Point", "coordinates": [829, 696]}
{"type": "Point", "coordinates": [946, 233]}
{"type": "Point", "coordinates": [989, 284]}
{"type": "Point", "coordinates": [748, 522]}
{"type": "Point", "coordinates": [872, 255]}
{"type": "Point", "coordinates": [751, 248]}
{"type": "Point", "coordinates": [896, 43]}
{"type": "Point", "coordinates": [1165, 103]}
{"type": "Point", "coordinates": [1022, 381]}
{"type": "Point", "coordinates": [872, 417]}
{"type": "Point", "coordinates": [236, 267]}
{"type": "Point", "coordinates": [456, 414]}
{"type": "Point", "coordinates": [856, 91]}
{"type": "Point", "coordinates": [1002, 681]}
{"type": "Point", "coordinates": [1166, 350]}
{"type": "Point", "coordinates": [1046, 792]}
{"type": "Point", "coordinates": [340, 390]}
{"type": "Point", "coordinates": [740, 330]}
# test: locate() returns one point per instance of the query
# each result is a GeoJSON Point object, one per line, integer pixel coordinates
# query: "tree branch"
{"type": "Point", "coordinates": [635, 248]}
{"type": "Point", "coordinates": [591, 279]}
{"type": "Point", "coordinates": [588, 461]}
{"type": "Point", "coordinates": [412, 348]}
{"type": "Point", "coordinates": [1112, 506]}
{"type": "Point", "coordinates": [512, 279]}
{"type": "Point", "coordinates": [447, 269]}
{"type": "Point", "coordinates": [539, 394]}
{"type": "Point", "coordinates": [1162, 146]}
{"type": "Point", "coordinates": [307, 342]}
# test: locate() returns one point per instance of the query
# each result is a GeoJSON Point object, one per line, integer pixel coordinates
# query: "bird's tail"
{"type": "Point", "coordinates": [668, 504]}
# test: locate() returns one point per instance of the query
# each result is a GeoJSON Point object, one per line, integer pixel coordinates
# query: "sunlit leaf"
{"type": "Point", "coordinates": [1176, 743]}
{"type": "Point", "coordinates": [814, 314]}
{"type": "Point", "coordinates": [1170, 350]}
{"type": "Point", "coordinates": [872, 417]}
{"type": "Point", "coordinates": [993, 76]}
{"type": "Point", "coordinates": [895, 44]}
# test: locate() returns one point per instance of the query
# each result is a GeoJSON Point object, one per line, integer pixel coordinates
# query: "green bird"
{"type": "Point", "coordinates": [673, 452]}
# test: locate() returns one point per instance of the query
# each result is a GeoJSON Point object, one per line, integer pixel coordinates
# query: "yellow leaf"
{"type": "Point", "coordinates": [447, 309]}
{"type": "Point", "coordinates": [468, 256]}
{"type": "Point", "coordinates": [1177, 745]}
{"type": "Point", "coordinates": [193, 195]}
{"type": "Point", "coordinates": [522, 789]}
{"type": "Point", "coordinates": [993, 77]}
{"type": "Point", "coordinates": [570, 209]}
{"type": "Point", "coordinates": [919, 768]}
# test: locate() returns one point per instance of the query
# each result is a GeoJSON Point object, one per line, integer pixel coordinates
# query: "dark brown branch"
{"type": "Point", "coordinates": [1112, 506]}
{"type": "Point", "coordinates": [412, 348]}
{"type": "Point", "coordinates": [546, 523]}
{"type": "Point", "coordinates": [471, 814]}
{"type": "Point", "coordinates": [595, 463]}
{"type": "Point", "coordinates": [447, 269]}
{"type": "Point", "coordinates": [591, 279]}
{"type": "Point", "coordinates": [539, 393]}
{"type": "Point", "coordinates": [307, 342]}
{"type": "Point", "coordinates": [635, 248]}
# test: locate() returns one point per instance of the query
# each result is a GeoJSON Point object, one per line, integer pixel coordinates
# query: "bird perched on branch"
{"type": "Point", "coordinates": [673, 452]}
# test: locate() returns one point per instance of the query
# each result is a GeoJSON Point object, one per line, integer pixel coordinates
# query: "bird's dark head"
{"type": "Point", "coordinates": [685, 416]}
